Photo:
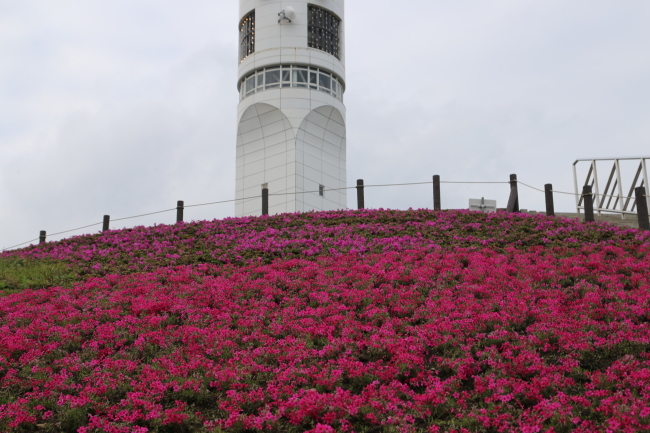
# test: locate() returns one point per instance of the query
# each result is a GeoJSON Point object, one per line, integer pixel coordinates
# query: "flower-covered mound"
{"type": "Point", "coordinates": [368, 321]}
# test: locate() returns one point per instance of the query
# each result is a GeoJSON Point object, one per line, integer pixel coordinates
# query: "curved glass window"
{"type": "Point", "coordinates": [247, 36]}
{"type": "Point", "coordinates": [323, 30]}
{"type": "Point", "coordinates": [272, 78]}
{"type": "Point", "coordinates": [285, 76]}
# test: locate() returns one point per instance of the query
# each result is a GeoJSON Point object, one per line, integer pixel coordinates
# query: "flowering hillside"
{"type": "Point", "coordinates": [358, 321]}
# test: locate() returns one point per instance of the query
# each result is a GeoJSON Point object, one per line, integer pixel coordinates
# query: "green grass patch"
{"type": "Point", "coordinates": [17, 274]}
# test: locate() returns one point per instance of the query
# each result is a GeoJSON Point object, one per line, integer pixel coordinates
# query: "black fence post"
{"type": "Point", "coordinates": [360, 198]}
{"type": "Point", "coordinates": [589, 203]}
{"type": "Point", "coordinates": [642, 208]}
{"type": "Point", "coordinates": [550, 206]}
{"type": "Point", "coordinates": [180, 206]}
{"type": "Point", "coordinates": [436, 193]}
{"type": "Point", "coordinates": [107, 222]}
{"type": "Point", "coordinates": [42, 237]}
{"type": "Point", "coordinates": [265, 201]}
{"type": "Point", "coordinates": [513, 200]}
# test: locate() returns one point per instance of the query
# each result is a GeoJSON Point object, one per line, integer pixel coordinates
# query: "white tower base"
{"type": "Point", "coordinates": [290, 160]}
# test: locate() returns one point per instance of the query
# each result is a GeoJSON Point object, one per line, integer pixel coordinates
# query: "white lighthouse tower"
{"type": "Point", "coordinates": [291, 117]}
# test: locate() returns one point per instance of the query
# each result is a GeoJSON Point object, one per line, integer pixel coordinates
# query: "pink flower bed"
{"type": "Point", "coordinates": [384, 327]}
{"type": "Point", "coordinates": [251, 240]}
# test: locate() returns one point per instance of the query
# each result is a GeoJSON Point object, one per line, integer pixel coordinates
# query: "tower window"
{"type": "Point", "coordinates": [321, 190]}
{"type": "Point", "coordinates": [247, 36]}
{"type": "Point", "coordinates": [300, 76]}
{"type": "Point", "coordinates": [272, 78]}
{"type": "Point", "coordinates": [323, 30]}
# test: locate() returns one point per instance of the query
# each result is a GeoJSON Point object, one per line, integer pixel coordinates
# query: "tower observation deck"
{"type": "Point", "coordinates": [291, 117]}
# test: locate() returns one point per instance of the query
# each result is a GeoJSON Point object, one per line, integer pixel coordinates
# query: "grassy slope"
{"type": "Point", "coordinates": [17, 274]}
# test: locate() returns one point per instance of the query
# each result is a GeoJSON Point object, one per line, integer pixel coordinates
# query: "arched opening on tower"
{"type": "Point", "coordinates": [321, 141]}
{"type": "Point", "coordinates": [265, 155]}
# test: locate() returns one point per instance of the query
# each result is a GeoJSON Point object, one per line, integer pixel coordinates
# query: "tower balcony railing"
{"type": "Point", "coordinates": [291, 76]}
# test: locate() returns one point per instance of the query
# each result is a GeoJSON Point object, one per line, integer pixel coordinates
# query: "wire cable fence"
{"type": "Point", "coordinates": [571, 193]}
{"type": "Point", "coordinates": [513, 205]}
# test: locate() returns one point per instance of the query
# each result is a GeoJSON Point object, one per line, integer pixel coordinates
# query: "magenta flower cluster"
{"type": "Point", "coordinates": [251, 240]}
{"type": "Point", "coordinates": [354, 322]}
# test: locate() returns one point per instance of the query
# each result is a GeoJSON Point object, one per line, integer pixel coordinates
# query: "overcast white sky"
{"type": "Point", "coordinates": [122, 107]}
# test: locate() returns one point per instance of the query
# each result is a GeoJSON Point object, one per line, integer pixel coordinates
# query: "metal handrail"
{"type": "Point", "coordinates": [627, 158]}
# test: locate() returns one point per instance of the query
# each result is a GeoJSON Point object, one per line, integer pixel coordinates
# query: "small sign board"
{"type": "Point", "coordinates": [482, 205]}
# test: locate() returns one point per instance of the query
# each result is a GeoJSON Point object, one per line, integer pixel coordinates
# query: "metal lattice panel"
{"type": "Point", "coordinates": [614, 198]}
{"type": "Point", "coordinates": [247, 36]}
{"type": "Point", "coordinates": [324, 28]}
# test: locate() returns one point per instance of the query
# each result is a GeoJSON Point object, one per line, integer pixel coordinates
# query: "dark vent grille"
{"type": "Point", "coordinates": [324, 28]}
{"type": "Point", "coordinates": [247, 36]}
